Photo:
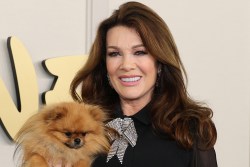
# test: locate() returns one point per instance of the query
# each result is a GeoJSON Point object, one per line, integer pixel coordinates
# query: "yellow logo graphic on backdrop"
{"type": "Point", "coordinates": [63, 68]}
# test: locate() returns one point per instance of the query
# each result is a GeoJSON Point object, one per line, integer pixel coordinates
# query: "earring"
{"type": "Point", "coordinates": [158, 76]}
{"type": "Point", "coordinates": [159, 71]}
{"type": "Point", "coordinates": [110, 84]}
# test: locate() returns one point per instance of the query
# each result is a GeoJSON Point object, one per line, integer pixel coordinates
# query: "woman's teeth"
{"type": "Point", "coordinates": [132, 79]}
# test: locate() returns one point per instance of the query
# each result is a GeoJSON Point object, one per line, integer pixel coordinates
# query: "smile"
{"type": "Point", "coordinates": [132, 79]}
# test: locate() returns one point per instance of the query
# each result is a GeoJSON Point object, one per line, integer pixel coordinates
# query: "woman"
{"type": "Point", "coordinates": [134, 72]}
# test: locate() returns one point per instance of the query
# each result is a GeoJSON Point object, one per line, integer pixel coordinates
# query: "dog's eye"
{"type": "Point", "coordinates": [68, 134]}
{"type": "Point", "coordinates": [84, 133]}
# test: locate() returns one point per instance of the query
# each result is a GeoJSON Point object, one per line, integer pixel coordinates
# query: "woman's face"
{"type": "Point", "coordinates": [131, 69]}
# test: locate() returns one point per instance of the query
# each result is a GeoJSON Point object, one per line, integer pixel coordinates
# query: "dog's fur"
{"type": "Point", "coordinates": [63, 134]}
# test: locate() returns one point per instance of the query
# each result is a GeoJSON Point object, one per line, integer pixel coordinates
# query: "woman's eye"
{"type": "Point", "coordinates": [139, 53]}
{"type": "Point", "coordinates": [68, 134]}
{"type": "Point", "coordinates": [113, 54]}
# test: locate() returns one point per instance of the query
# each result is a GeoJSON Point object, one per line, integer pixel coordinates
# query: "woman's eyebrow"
{"type": "Point", "coordinates": [112, 47]}
{"type": "Point", "coordinates": [135, 46]}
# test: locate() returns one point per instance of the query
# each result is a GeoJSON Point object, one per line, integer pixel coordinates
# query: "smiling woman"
{"type": "Point", "coordinates": [131, 69]}
{"type": "Point", "coordinates": [134, 71]}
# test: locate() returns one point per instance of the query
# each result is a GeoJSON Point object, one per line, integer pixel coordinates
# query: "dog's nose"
{"type": "Point", "coordinates": [77, 141]}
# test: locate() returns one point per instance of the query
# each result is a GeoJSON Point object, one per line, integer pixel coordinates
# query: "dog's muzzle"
{"type": "Point", "coordinates": [75, 144]}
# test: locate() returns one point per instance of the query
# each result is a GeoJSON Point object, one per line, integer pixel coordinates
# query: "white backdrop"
{"type": "Point", "coordinates": [212, 36]}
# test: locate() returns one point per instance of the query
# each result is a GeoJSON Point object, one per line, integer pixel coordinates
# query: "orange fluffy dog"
{"type": "Point", "coordinates": [64, 134]}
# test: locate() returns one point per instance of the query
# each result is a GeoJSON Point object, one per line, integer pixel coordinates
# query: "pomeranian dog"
{"type": "Point", "coordinates": [67, 134]}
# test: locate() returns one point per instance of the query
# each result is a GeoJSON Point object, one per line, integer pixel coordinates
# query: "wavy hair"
{"type": "Point", "coordinates": [173, 112]}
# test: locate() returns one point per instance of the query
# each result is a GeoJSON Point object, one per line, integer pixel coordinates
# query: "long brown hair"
{"type": "Point", "coordinates": [173, 112]}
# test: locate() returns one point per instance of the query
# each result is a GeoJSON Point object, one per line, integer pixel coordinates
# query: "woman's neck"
{"type": "Point", "coordinates": [132, 107]}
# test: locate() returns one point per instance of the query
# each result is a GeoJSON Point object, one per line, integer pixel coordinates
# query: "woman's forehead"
{"type": "Point", "coordinates": [122, 36]}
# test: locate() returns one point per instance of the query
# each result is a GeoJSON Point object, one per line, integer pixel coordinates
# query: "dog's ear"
{"type": "Point", "coordinates": [97, 113]}
{"type": "Point", "coordinates": [55, 113]}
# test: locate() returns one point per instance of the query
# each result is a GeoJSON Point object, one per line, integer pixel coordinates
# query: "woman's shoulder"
{"type": "Point", "coordinates": [204, 154]}
{"type": "Point", "coordinates": [204, 158]}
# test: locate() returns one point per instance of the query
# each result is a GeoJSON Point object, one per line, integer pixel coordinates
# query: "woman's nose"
{"type": "Point", "coordinates": [128, 63]}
